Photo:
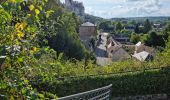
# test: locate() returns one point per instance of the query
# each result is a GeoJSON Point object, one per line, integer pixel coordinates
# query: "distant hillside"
{"type": "Point", "coordinates": [93, 19]}
{"type": "Point", "coordinates": [140, 19]}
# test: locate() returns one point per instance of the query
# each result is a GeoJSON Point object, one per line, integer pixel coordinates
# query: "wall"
{"type": "Point", "coordinates": [120, 55]}
{"type": "Point", "coordinates": [87, 31]}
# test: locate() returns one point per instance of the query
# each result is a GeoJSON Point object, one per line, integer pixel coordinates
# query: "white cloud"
{"type": "Point", "coordinates": [126, 8]}
{"type": "Point", "coordinates": [146, 6]}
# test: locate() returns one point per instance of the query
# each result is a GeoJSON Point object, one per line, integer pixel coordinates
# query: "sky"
{"type": "Point", "coordinates": [126, 8]}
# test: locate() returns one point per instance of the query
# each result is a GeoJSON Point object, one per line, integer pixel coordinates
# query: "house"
{"type": "Point", "coordinates": [143, 52]}
{"type": "Point", "coordinates": [143, 56]}
{"type": "Point", "coordinates": [130, 48]}
{"type": "Point", "coordinates": [86, 32]}
{"type": "Point", "coordinates": [124, 22]}
{"type": "Point", "coordinates": [157, 26]}
{"type": "Point", "coordinates": [117, 53]}
{"type": "Point", "coordinates": [112, 42]}
{"type": "Point", "coordinates": [139, 47]}
{"type": "Point", "coordinates": [129, 28]}
{"type": "Point", "coordinates": [121, 38]}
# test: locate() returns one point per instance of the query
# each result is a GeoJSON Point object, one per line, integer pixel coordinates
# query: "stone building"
{"type": "Point", "coordinates": [143, 53]}
{"type": "Point", "coordinates": [75, 6]}
{"type": "Point", "coordinates": [115, 51]}
{"type": "Point", "coordinates": [86, 32]}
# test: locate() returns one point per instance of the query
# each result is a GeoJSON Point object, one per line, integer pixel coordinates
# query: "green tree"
{"type": "Point", "coordinates": [147, 26]}
{"type": "Point", "coordinates": [166, 31]}
{"type": "Point", "coordinates": [155, 40]}
{"type": "Point", "coordinates": [135, 38]}
{"type": "Point", "coordinates": [137, 30]}
{"type": "Point", "coordinates": [119, 26]}
{"type": "Point", "coordinates": [106, 26]}
{"type": "Point", "coordinates": [65, 39]}
{"type": "Point", "coordinates": [133, 22]}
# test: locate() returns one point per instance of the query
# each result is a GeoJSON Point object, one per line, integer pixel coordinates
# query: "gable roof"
{"type": "Point", "coordinates": [112, 41]}
{"type": "Point", "coordinates": [142, 56]}
{"type": "Point", "coordinates": [119, 54]}
{"type": "Point", "coordinates": [113, 49]}
{"type": "Point", "coordinates": [88, 24]}
{"type": "Point", "coordinates": [145, 48]}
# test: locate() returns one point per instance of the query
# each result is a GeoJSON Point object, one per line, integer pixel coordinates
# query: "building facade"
{"type": "Point", "coordinates": [86, 32]}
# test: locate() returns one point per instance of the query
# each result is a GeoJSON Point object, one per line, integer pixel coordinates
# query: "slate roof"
{"type": "Point", "coordinates": [88, 24]}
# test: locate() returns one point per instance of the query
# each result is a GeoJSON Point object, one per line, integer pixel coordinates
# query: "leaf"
{"type": "Point", "coordinates": [11, 98]}
{"type": "Point", "coordinates": [31, 7]}
{"type": "Point", "coordinates": [48, 13]}
{"type": "Point", "coordinates": [34, 49]}
{"type": "Point", "coordinates": [20, 34]}
{"type": "Point", "coordinates": [37, 12]}
{"type": "Point", "coordinates": [40, 8]}
{"type": "Point", "coordinates": [19, 7]}
{"type": "Point", "coordinates": [26, 81]}
{"type": "Point", "coordinates": [20, 59]}
{"type": "Point", "coordinates": [41, 96]}
{"type": "Point", "coordinates": [28, 15]}
{"type": "Point", "coordinates": [20, 26]}
{"type": "Point", "coordinates": [12, 1]}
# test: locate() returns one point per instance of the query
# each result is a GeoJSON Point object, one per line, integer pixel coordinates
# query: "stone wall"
{"type": "Point", "coordinates": [86, 31]}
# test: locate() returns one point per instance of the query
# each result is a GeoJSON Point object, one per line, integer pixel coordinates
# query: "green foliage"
{"type": "Point", "coordinates": [93, 19]}
{"type": "Point", "coordinates": [19, 36]}
{"type": "Point", "coordinates": [62, 33]}
{"type": "Point", "coordinates": [137, 30]}
{"type": "Point", "coordinates": [155, 40]}
{"type": "Point", "coordinates": [106, 26]}
{"type": "Point", "coordinates": [119, 26]}
{"type": "Point", "coordinates": [133, 22]}
{"type": "Point", "coordinates": [166, 31]}
{"type": "Point", "coordinates": [135, 38]}
{"type": "Point", "coordinates": [139, 83]}
{"type": "Point", "coordinates": [126, 32]}
{"type": "Point", "coordinates": [147, 26]}
{"type": "Point", "coordinates": [35, 38]}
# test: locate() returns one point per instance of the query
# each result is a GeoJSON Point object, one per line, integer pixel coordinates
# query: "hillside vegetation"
{"type": "Point", "coordinates": [39, 45]}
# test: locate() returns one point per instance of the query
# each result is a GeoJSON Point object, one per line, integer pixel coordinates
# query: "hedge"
{"type": "Point", "coordinates": [128, 84]}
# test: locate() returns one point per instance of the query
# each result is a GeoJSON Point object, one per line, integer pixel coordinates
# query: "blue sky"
{"type": "Point", "coordinates": [126, 8]}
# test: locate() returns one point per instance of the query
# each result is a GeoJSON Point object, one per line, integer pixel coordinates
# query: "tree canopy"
{"type": "Point", "coordinates": [147, 26]}
{"type": "Point", "coordinates": [119, 26]}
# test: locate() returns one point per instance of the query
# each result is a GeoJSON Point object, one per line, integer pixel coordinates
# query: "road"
{"type": "Point", "coordinates": [100, 51]}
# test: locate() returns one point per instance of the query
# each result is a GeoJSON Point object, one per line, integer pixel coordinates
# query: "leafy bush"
{"type": "Point", "coordinates": [138, 83]}
{"type": "Point", "coordinates": [31, 69]}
